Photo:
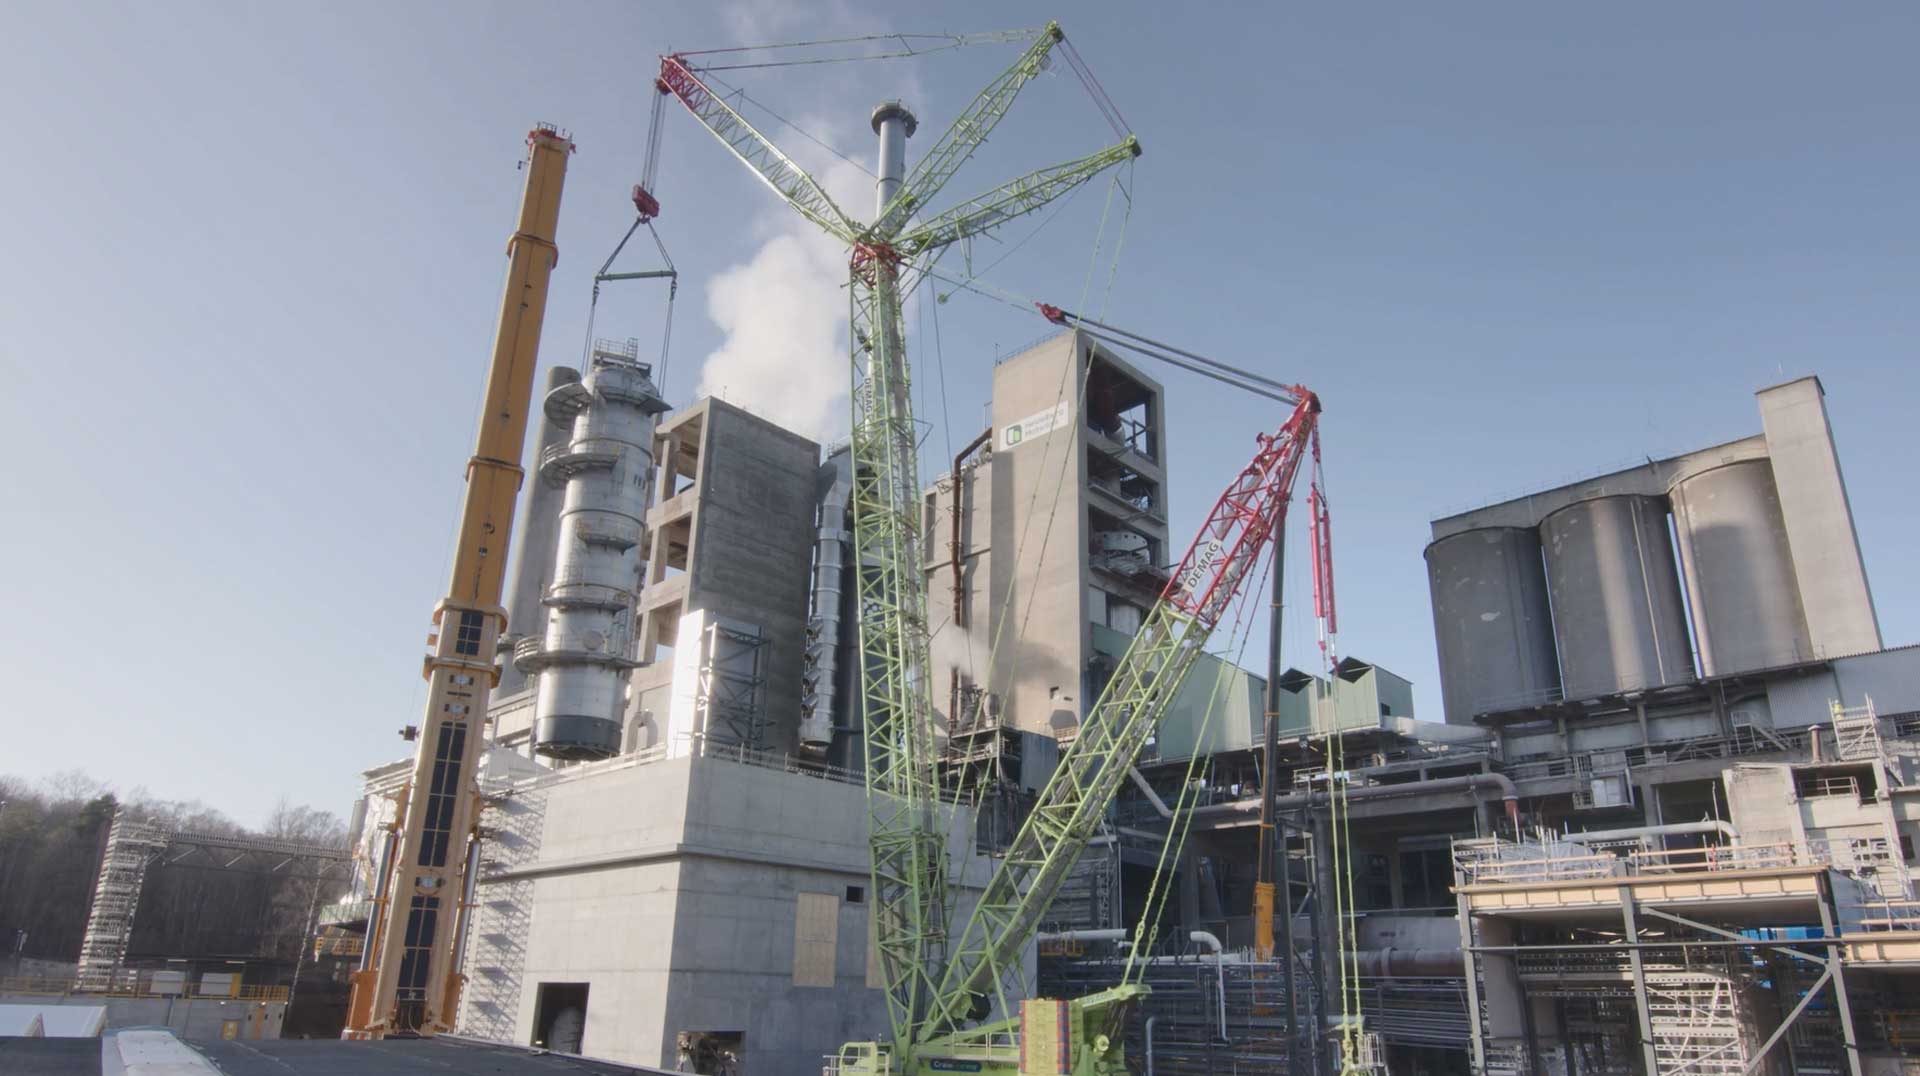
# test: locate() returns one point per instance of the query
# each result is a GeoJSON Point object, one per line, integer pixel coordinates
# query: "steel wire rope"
{"type": "Point", "coordinates": [1126, 216]}
{"type": "Point", "coordinates": [1060, 394]}
{"type": "Point", "coordinates": [940, 361]}
{"type": "Point", "coordinates": [1224, 373]}
{"type": "Point", "coordinates": [797, 129]}
{"type": "Point", "coordinates": [951, 41]}
{"type": "Point", "coordinates": [673, 291]}
{"type": "Point", "coordinates": [964, 790]}
{"type": "Point", "coordinates": [1011, 251]}
{"type": "Point", "coordinates": [1146, 935]}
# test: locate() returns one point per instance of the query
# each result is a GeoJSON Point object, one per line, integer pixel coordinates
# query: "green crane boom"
{"type": "Point", "coordinates": [1093, 767]}
{"type": "Point", "coordinates": [906, 829]}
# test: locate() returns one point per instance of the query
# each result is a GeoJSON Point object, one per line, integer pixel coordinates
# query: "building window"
{"type": "Point", "coordinates": [467, 639]}
{"type": "Point", "coordinates": [856, 894]}
{"type": "Point", "coordinates": [816, 937]}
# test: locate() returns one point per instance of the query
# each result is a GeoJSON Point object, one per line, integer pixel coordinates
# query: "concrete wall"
{"type": "Point", "coordinates": [748, 521]}
{"type": "Point", "coordinates": [1813, 498]}
{"type": "Point", "coordinates": [1039, 575]}
{"type": "Point", "coordinates": [671, 888]}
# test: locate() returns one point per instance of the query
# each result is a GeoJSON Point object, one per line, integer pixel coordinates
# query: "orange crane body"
{"type": "Point", "coordinates": [409, 981]}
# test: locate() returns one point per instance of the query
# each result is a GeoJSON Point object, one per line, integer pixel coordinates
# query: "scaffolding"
{"type": "Point", "coordinates": [134, 847]}
{"type": "Point", "coordinates": [731, 684]}
{"type": "Point", "coordinates": [1619, 941]}
{"type": "Point", "coordinates": [131, 847]}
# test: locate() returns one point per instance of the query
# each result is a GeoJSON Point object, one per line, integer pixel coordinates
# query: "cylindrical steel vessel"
{"type": "Point", "coordinates": [819, 677]}
{"type": "Point", "coordinates": [1491, 621]}
{"type": "Point", "coordinates": [1617, 613]}
{"type": "Point", "coordinates": [606, 468]}
{"type": "Point", "coordinates": [535, 535]}
{"type": "Point", "coordinates": [1739, 571]}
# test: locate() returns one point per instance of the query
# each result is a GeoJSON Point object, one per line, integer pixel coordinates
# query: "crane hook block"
{"type": "Point", "coordinates": [646, 203]}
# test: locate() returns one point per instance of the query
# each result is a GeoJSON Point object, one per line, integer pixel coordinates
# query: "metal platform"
{"type": "Point", "coordinates": [397, 1057]}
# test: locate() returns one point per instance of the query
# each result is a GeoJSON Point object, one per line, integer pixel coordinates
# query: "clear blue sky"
{"type": "Point", "coordinates": [254, 257]}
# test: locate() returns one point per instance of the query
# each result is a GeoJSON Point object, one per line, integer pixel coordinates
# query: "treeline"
{"type": "Point", "coordinates": [52, 833]}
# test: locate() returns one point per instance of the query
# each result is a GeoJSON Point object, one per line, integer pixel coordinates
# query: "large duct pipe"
{"type": "Point", "coordinates": [1393, 963]}
{"type": "Point", "coordinates": [606, 468]}
{"type": "Point", "coordinates": [1508, 796]}
{"type": "Point", "coordinates": [1722, 828]}
{"type": "Point", "coordinates": [956, 545]}
{"type": "Point", "coordinates": [819, 677]}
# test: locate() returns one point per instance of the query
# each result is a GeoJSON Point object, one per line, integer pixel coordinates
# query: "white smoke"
{"type": "Point", "coordinates": [784, 313]}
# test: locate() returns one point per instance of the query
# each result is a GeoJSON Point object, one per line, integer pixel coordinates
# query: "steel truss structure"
{"type": "Point", "coordinates": [907, 831]}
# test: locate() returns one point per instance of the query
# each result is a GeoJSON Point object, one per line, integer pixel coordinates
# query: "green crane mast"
{"type": "Point", "coordinates": [1230, 544]}
{"type": "Point", "coordinates": [906, 831]}
{"type": "Point", "coordinates": [933, 993]}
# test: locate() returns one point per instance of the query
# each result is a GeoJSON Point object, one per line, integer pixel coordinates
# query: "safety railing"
{"type": "Point", "coordinates": [140, 984]}
{"type": "Point", "coordinates": [697, 745]}
{"type": "Point", "coordinates": [1888, 915]}
{"type": "Point", "coordinates": [1514, 864]}
{"type": "Point", "coordinates": [587, 449]}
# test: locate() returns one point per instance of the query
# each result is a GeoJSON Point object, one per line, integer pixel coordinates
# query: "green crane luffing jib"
{"type": "Point", "coordinates": [1092, 768]}
{"type": "Point", "coordinates": [906, 828]}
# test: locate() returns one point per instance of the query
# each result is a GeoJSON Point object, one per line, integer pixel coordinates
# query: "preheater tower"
{"type": "Point", "coordinates": [407, 981]}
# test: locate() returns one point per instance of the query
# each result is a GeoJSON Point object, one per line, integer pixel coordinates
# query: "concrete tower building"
{"type": "Point", "coordinates": [1054, 530]}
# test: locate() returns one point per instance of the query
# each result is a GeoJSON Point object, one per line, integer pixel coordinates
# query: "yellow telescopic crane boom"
{"type": "Point", "coordinates": [408, 982]}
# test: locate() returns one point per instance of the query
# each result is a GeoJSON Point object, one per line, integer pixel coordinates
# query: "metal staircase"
{"type": "Point", "coordinates": [1697, 1023]}
{"type": "Point", "coordinates": [1856, 732]}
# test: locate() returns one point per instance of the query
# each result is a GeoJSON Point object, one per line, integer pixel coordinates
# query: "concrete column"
{"type": "Point", "coordinates": [1820, 532]}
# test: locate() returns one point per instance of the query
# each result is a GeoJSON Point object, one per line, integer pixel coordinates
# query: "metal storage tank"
{"type": "Point", "coordinates": [1617, 613]}
{"type": "Point", "coordinates": [1738, 570]}
{"type": "Point", "coordinates": [1491, 621]}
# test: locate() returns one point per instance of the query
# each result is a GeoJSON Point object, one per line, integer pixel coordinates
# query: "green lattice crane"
{"type": "Point", "coordinates": [986, 958]}
{"type": "Point", "coordinates": [906, 829]}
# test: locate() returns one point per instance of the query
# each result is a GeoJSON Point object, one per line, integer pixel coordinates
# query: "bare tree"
{"type": "Point", "coordinates": [298, 822]}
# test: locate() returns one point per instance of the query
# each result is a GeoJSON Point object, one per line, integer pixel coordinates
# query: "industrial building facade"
{"type": "Point", "coordinates": [1672, 798]}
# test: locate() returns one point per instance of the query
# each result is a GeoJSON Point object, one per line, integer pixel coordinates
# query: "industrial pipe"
{"type": "Point", "coordinates": [1219, 973]}
{"type": "Point", "coordinates": [955, 550]}
{"type": "Point", "coordinates": [1673, 828]}
{"type": "Point", "coordinates": [1509, 798]}
{"type": "Point", "coordinates": [1150, 1021]}
{"type": "Point", "coordinates": [1112, 935]}
{"type": "Point", "coordinates": [1200, 937]}
{"type": "Point", "coordinates": [1394, 963]}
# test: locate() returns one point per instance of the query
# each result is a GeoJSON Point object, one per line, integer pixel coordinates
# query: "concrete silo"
{"type": "Point", "coordinates": [1617, 613]}
{"type": "Point", "coordinates": [1492, 621]}
{"type": "Point", "coordinates": [1739, 570]}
